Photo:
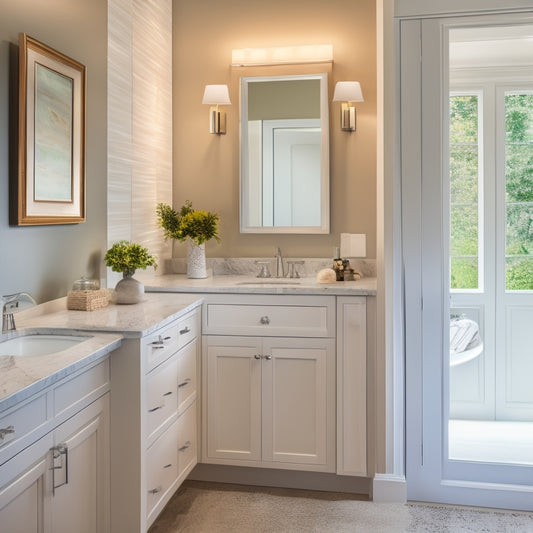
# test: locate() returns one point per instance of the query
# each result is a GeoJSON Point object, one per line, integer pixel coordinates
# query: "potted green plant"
{"type": "Point", "coordinates": [127, 257]}
{"type": "Point", "coordinates": [194, 226]}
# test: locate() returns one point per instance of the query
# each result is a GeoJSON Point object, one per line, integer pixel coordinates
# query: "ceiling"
{"type": "Point", "coordinates": [491, 46]}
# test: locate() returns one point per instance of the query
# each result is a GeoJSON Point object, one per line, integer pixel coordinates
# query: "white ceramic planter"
{"type": "Point", "coordinates": [196, 267]}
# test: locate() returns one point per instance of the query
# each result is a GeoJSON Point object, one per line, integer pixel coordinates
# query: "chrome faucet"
{"type": "Point", "coordinates": [280, 269]}
{"type": "Point", "coordinates": [10, 304]}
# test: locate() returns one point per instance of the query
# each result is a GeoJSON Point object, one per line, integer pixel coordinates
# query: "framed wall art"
{"type": "Point", "coordinates": [51, 136]}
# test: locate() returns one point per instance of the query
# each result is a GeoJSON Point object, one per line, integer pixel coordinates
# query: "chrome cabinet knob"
{"type": "Point", "coordinates": [265, 320]}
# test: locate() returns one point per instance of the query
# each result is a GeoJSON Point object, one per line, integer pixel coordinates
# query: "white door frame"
{"type": "Point", "coordinates": [426, 293]}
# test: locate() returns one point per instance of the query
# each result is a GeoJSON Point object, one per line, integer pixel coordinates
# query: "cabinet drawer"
{"type": "Point", "coordinates": [160, 345]}
{"type": "Point", "coordinates": [161, 395]}
{"type": "Point", "coordinates": [188, 329]}
{"type": "Point", "coordinates": [162, 466]}
{"type": "Point", "coordinates": [187, 375]}
{"type": "Point", "coordinates": [292, 317]}
{"type": "Point", "coordinates": [81, 390]}
{"type": "Point", "coordinates": [187, 445]}
{"type": "Point", "coordinates": [19, 423]}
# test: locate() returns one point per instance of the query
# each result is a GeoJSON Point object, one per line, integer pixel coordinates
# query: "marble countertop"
{"type": "Point", "coordinates": [238, 284]}
{"type": "Point", "coordinates": [132, 321]}
{"type": "Point", "coordinates": [21, 377]}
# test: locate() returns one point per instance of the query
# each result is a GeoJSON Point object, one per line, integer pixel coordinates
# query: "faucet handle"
{"type": "Point", "coordinates": [293, 271]}
{"type": "Point", "coordinates": [264, 273]}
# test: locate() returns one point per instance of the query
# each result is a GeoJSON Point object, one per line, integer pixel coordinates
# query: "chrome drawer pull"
{"type": "Point", "coordinates": [57, 453]}
{"type": "Point", "coordinates": [265, 320]}
{"type": "Point", "coordinates": [186, 381]}
{"type": "Point", "coordinates": [268, 357]}
{"type": "Point", "coordinates": [155, 408]}
{"type": "Point", "coordinates": [257, 356]}
{"type": "Point", "coordinates": [169, 393]}
{"type": "Point", "coordinates": [156, 490]}
{"type": "Point", "coordinates": [158, 343]}
{"type": "Point", "coordinates": [185, 446]}
{"type": "Point", "coordinates": [168, 466]}
{"type": "Point", "coordinates": [186, 329]}
{"type": "Point", "coordinates": [6, 431]}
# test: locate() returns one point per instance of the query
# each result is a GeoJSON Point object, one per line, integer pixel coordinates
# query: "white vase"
{"type": "Point", "coordinates": [196, 260]}
{"type": "Point", "coordinates": [129, 290]}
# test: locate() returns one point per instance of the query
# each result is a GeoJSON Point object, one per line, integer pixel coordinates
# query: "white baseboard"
{"type": "Point", "coordinates": [389, 488]}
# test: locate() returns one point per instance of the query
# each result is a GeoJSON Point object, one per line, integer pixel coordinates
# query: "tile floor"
{"type": "Point", "coordinates": [201, 507]}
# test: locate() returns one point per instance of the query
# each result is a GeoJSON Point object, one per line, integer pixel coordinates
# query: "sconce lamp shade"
{"type": "Point", "coordinates": [216, 95]}
{"type": "Point", "coordinates": [348, 92]}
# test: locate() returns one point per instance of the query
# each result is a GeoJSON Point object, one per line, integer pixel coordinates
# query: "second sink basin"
{"type": "Point", "coordinates": [35, 345]}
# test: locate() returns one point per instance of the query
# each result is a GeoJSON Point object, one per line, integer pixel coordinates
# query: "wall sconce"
{"type": "Point", "coordinates": [216, 95]}
{"type": "Point", "coordinates": [348, 92]}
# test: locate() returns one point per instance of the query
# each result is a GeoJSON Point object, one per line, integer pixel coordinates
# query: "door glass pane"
{"type": "Point", "coordinates": [464, 191]}
{"type": "Point", "coordinates": [519, 190]}
{"type": "Point", "coordinates": [490, 403]}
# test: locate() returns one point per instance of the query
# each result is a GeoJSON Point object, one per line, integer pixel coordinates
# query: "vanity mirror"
{"type": "Point", "coordinates": [284, 154]}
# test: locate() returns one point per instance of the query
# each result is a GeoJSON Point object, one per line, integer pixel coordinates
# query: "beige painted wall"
{"type": "Point", "coordinates": [206, 167]}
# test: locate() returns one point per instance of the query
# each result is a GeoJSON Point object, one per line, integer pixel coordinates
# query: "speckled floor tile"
{"type": "Point", "coordinates": [218, 508]}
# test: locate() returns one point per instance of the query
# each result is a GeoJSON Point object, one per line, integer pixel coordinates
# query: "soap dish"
{"type": "Point", "coordinates": [88, 300]}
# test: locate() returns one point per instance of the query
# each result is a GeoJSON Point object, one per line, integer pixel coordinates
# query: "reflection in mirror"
{"type": "Point", "coordinates": [284, 154]}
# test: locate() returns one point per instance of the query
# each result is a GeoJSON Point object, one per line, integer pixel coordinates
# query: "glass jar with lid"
{"type": "Point", "coordinates": [84, 284]}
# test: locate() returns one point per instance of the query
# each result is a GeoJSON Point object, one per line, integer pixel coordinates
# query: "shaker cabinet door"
{"type": "Point", "coordinates": [80, 500]}
{"type": "Point", "coordinates": [234, 398]}
{"type": "Point", "coordinates": [22, 499]}
{"type": "Point", "coordinates": [298, 401]}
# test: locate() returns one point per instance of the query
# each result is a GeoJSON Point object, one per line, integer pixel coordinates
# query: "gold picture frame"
{"type": "Point", "coordinates": [51, 136]}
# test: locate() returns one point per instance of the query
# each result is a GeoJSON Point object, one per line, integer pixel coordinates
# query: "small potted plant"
{"type": "Point", "coordinates": [191, 225]}
{"type": "Point", "coordinates": [127, 257]}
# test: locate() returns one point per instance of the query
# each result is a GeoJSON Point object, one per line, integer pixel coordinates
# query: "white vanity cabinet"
{"type": "Point", "coordinates": [269, 399]}
{"type": "Point", "coordinates": [59, 482]}
{"type": "Point", "coordinates": [154, 431]}
{"type": "Point", "coordinates": [353, 347]}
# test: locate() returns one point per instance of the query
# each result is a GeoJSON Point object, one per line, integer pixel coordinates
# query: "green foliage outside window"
{"type": "Point", "coordinates": [518, 191]}
{"type": "Point", "coordinates": [464, 192]}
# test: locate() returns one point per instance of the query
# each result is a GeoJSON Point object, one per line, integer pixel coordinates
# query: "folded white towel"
{"type": "Point", "coordinates": [462, 332]}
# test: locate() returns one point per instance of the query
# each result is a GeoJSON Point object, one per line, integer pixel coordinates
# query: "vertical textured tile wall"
{"type": "Point", "coordinates": [139, 120]}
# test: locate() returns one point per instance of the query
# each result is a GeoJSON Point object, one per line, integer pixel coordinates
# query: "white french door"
{"type": "Point", "coordinates": [433, 473]}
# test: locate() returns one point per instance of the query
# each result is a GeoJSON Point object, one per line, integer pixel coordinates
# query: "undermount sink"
{"type": "Point", "coordinates": [269, 282]}
{"type": "Point", "coordinates": [35, 345]}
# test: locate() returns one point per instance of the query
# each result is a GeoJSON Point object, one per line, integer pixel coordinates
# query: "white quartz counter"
{"type": "Point", "coordinates": [251, 285]}
{"type": "Point", "coordinates": [22, 376]}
